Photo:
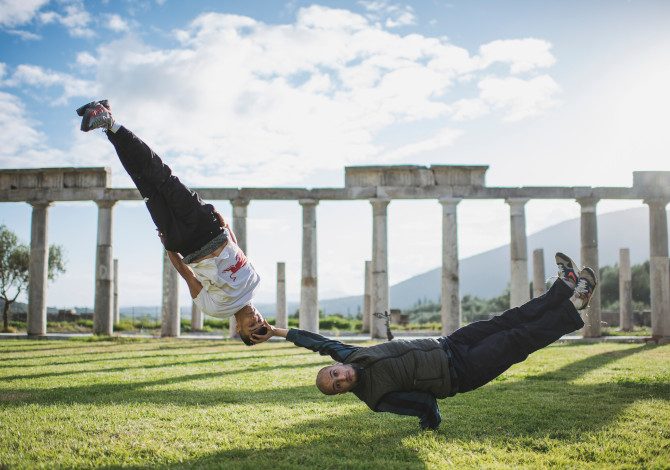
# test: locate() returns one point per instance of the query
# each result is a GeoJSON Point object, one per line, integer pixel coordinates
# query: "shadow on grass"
{"type": "Point", "coordinates": [209, 360]}
{"type": "Point", "coordinates": [122, 358]}
{"type": "Point", "coordinates": [141, 392]}
{"type": "Point", "coordinates": [358, 439]}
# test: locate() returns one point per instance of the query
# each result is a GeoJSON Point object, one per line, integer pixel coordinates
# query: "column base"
{"type": "Point", "coordinates": [38, 336]}
{"type": "Point", "coordinates": [660, 340]}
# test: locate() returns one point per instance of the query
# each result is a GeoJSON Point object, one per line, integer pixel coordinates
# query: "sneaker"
{"type": "Point", "coordinates": [95, 116]}
{"type": "Point", "coordinates": [566, 269]}
{"type": "Point", "coordinates": [586, 284]}
{"type": "Point", "coordinates": [82, 110]}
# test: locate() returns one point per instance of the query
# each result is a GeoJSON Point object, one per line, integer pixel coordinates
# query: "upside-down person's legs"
{"type": "Point", "coordinates": [477, 331]}
{"type": "Point", "coordinates": [493, 355]}
{"type": "Point", "coordinates": [185, 220]}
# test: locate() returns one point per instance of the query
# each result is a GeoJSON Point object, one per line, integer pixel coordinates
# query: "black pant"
{"type": "Point", "coordinates": [184, 219]}
{"type": "Point", "coordinates": [485, 349]}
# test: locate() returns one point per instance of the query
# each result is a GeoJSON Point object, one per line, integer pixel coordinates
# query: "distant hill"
{"type": "Point", "coordinates": [486, 275]}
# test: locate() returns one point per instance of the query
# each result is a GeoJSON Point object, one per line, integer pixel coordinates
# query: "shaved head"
{"type": "Point", "coordinates": [323, 381]}
{"type": "Point", "coordinates": [338, 378]}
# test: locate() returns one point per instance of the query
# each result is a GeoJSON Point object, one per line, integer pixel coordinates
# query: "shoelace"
{"type": "Point", "coordinates": [583, 290]}
{"type": "Point", "coordinates": [567, 273]}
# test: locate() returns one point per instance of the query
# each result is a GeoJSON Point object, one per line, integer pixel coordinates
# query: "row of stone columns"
{"type": "Point", "coordinates": [378, 271]}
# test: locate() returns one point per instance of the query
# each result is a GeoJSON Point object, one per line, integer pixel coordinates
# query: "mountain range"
{"type": "Point", "coordinates": [487, 274]}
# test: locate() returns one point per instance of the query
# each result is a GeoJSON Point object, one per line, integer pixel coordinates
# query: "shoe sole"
{"type": "Point", "coordinates": [82, 110]}
{"type": "Point", "coordinates": [591, 276]}
{"type": "Point", "coordinates": [562, 258]}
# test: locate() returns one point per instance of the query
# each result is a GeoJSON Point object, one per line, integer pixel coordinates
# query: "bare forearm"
{"type": "Point", "coordinates": [280, 332]}
{"type": "Point", "coordinates": [194, 286]}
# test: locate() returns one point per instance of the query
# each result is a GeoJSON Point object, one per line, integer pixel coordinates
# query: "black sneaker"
{"type": "Point", "coordinates": [82, 110]}
{"type": "Point", "coordinates": [586, 284]}
{"type": "Point", "coordinates": [96, 116]}
{"type": "Point", "coordinates": [566, 269]}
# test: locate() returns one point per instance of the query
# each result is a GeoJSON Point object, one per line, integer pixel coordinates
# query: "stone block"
{"type": "Point", "coordinates": [55, 178]}
{"type": "Point", "coordinates": [389, 175]}
{"type": "Point", "coordinates": [415, 176]}
{"type": "Point", "coordinates": [652, 184]}
{"type": "Point", "coordinates": [460, 175]}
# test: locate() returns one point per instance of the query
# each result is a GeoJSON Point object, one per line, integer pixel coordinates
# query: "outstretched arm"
{"type": "Point", "coordinates": [312, 341]}
{"type": "Point", "coordinates": [194, 286]}
{"type": "Point", "coordinates": [420, 404]}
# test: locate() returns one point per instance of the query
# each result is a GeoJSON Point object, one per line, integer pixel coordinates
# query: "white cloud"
{"type": "Point", "coordinates": [239, 102]}
{"type": "Point", "coordinates": [116, 23]}
{"type": "Point", "coordinates": [25, 35]}
{"type": "Point", "coordinates": [442, 139]}
{"type": "Point", "coordinates": [392, 15]}
{"type": "Point", "coordinates": [519, 98]}
{"type": "Point", "coordinates": [86, 59]}
{"type": "Point", "coordinates": [522, 55]}
{"type": "Point", "coordinates": [466, 109]}
{"type": "Point", "coordinates": [75, 18]}
{"type": "Point", "coordinates": [36, 76]}
{"type": "Point", "coordinates": [19, 12]}
{"type": "Point", "coordinates": [21, 145]}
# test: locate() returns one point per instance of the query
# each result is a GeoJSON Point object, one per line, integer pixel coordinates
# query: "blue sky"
{"type": "Point", "coordinates": [251, 93]}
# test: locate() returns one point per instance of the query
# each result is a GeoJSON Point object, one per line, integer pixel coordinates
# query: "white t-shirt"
{"type": "Point", "coordinates": [228, 282]}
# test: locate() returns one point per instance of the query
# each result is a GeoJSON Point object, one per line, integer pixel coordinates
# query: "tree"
{"type": "Point", "coordinates": [609, 286]}
{"type": "Point", "coordinates": [14, 264]}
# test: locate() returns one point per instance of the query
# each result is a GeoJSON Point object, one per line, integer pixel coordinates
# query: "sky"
{"type": "Point", "coordinates": [288, 93]}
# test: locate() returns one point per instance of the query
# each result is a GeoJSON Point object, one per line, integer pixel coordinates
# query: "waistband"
{"type": "Point", "coordinates": [208, 248]}
{"type": "Point", "coordinates": [452, 370]}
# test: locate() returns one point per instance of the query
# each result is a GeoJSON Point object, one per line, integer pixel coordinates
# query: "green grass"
{"type": "Point", "coordinates": [219, 404]}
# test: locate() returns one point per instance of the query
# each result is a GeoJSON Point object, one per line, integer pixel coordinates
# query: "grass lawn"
{"type": "Point", "coordinates": [220, 404]}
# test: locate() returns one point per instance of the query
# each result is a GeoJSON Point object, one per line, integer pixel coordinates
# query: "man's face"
{"type": "Point", "coordinates": [251, 322]}
{"type": "Point", "coordinates": [338, 378]}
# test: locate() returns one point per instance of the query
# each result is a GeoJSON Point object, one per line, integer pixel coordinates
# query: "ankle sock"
{"type": "Point", "coordinates": [115, 127]}
{"type": "Point", "coordinates": [576, 302]}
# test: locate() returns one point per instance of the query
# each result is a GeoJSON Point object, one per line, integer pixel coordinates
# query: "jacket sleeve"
{"type": "Point", "coordinates": [317, 343]}
{"type": "Point", "coordinates": [420, 404]}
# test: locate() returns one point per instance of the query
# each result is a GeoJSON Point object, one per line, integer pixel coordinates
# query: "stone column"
{"type": "Point", "coordinates": [281, 307]}
{"type": "Point", "coordinates": [240, 230]}
{"type": "Point", "coordinates": [451, 299]}
{"type": "Point", "coordinates": [115, 302]}
{"type": "Point", "coordinates": [589, 257]}
{"type": "Point", "coordinates": [538, 272]}
{"type": "Point", "coordinates": [170, 315]}
{"type": "Point", "coordinates": [103, 315]}
{"type": "Point", "coordinates": [625, 291]}
{"type": "Point", "coordinates": [519, 292]}
{"type": "Point", "coordinates": [197, 318]}
{"type": "Point", "coordinates": [367, 298]}
{"type": "Point", "coordinates": [38, 269]}
{"type": "Point", "coordinates": [309, 300]}
{"type": "Point", "coordinates": [659, 273]}
{"type": "Point", "coordinates": [380, 277]}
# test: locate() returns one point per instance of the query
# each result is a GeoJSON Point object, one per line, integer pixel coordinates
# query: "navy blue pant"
{"type": "Point", "coordinates": [184, 219]}
{"type": "Point", "coordinates": [485, 349]}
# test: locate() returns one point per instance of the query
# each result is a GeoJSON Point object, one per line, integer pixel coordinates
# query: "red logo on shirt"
{"type": "Point", "coordinates": [240, 262]}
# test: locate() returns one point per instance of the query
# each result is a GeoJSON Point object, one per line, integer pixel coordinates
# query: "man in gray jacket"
{"type": "Point", "coordinates": [406, 377]}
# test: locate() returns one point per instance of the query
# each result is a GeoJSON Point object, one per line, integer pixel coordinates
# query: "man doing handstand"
{"type": "Point", "coordinates": [199, 242]}
{"type": "Point", "coordinates": [406, 377]}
